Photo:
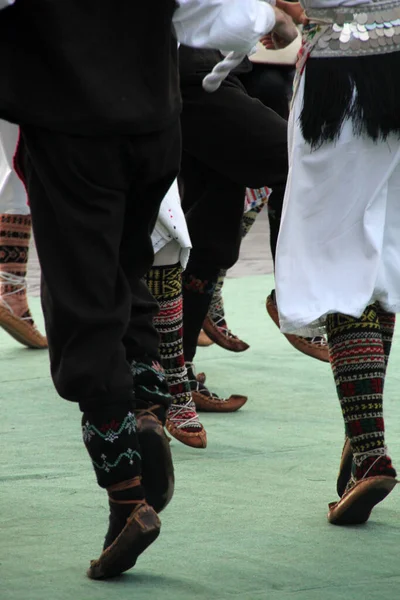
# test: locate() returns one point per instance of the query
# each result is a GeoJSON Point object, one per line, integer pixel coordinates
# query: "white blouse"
{"type": "Point", "coordinates": [223, 24]}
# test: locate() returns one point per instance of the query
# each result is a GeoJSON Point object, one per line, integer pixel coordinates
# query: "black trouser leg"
{"type": "Point", "coordinates": [82, 191]}
{"type": "Point", "coordinates": [230, 142]}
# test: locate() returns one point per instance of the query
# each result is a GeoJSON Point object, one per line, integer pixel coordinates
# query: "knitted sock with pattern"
{"type": "Point", "coordinates": [358, 365]}
{"type": "Point", "coordinates": [216, 311]}
{"type": "Point", "coordinates": [110, 437]}
{"type": "Point", "coordinates": [15, 235]}
{"type": "Point", "coordinates": [165, 283]}
{"type": "Point", "coordinates": [150, 386]}
{"type": "Point", "coordinates": [387, 322]}
{"type": "Point", "coordinates": [198, 290]}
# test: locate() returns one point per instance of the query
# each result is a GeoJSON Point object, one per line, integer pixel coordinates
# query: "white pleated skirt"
{"type": "Point", "coordinates": [13, 198]}
{"type": "Point", "coordinates": [171, 226]}
{"type": "Point", "coordinates": [339, 243]}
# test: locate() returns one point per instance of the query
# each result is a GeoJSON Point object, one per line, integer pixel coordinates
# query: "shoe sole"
{"type": "Point", "coordinates": [203, 341]}
{"type": "Point", "coordinates": [138, 534]}
{"type": "Point", "coordinates": [206, 404]}
{"type": "Point", "coordinates": [21, 332]}
{"type": "Point", "coordinates": [196, 439]}
{"type": "Point", "coordinates": [233, 345]}
{"type": "Point", "coordinates": [301, 344]}
{"type": "Point", "coordinates": [355, 507]}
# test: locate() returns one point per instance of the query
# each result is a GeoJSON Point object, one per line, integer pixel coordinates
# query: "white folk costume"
{"type": "Point", "coordinates": [171, 230]}
{"type": "Point", "coordinates": [338, 254]}
{"type": "Point", "coordinates": [341, 209]}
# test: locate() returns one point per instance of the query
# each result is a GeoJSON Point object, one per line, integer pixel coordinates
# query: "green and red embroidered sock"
{"type": "Point", "coordinates": [359, 367]}
{"type": "Point", "coordinates": [151, 387]}
{"type": "Point", "coordinates": [110, 437]}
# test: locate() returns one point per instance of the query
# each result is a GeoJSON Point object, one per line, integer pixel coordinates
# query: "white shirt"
{"type": "Point", "coordinates": [223, 24]}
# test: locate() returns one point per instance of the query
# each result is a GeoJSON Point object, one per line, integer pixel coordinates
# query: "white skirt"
{"type": "Point", "coordinates": [171, 225]}
{"type": "Point", "coordinates": [339, 242]}
{"type": "Point", "coordinates": [13, 198]}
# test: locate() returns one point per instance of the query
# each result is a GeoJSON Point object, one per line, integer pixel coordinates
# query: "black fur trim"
{"type": "Point", "coordinates": [364, 89]}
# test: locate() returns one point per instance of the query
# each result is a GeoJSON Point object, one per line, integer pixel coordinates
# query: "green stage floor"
{"type": "Point", "coordinates": [248, 520]}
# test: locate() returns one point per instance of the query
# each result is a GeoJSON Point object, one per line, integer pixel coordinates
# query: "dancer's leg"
{"type": "Point", "coordinates": [358, 363]}
{"type": "Point", "coordinates": [165, 283]}
{"type": "Point", "coordinates": [215, 325]}
{"type": "Point", "coordinates": [15, 236]}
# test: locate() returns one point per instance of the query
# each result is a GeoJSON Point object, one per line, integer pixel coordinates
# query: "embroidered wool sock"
{"type": "Point", "coordinates": [387, 322]}
{"type": "Point", "coordinates": [109, 435]}
{"type": "Point", "coordinates": [151, 387]}
{"type": "Point", "coordinates": [165, 283]}
{"type": "Point", "coordinates": [15, 235]}
{"type": "Point", "coordinates": [198, 290]}
{"type": "Point", "coordinates": [358, 365]}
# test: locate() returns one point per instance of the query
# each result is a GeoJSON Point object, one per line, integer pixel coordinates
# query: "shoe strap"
{"type": "Point", "coordinates": [128, 484]}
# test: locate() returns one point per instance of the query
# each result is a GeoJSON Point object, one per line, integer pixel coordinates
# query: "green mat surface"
{"type": "Point", "coordinates": [248, 520]}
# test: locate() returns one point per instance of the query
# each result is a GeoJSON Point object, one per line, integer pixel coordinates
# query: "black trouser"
{"type": "Point", "coordinates": [230, 142]}
{"type": "Point", "coordinates": [94, 202]}
{"type": "Point", "coordinates": [272, 85]}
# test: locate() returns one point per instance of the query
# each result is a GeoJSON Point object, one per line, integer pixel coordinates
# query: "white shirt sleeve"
{"type": "Point", "coordinates": [223, 24]}
{"type": "Point", "coordinates": [5, 3]}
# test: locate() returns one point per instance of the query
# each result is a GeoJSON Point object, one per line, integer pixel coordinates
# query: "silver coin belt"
{"type": "Point", "coordinates": [355, 31]}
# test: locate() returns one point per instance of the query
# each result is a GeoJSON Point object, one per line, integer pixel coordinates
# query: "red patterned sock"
{"type": "Point", "coordinates": [165, 283]}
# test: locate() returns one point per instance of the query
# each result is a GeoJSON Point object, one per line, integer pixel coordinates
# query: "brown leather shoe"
{"type": "Point", "coordinates": [142, 529]}
{"type": "Point", "coordinates": [194, 439]}
{"type": "Point", "coordinates": [203, 340]}
{"type": "Point", "coordinates": [214, 404]}
{"type": "Point", "coordinates": [157, 466]}
{"type": "Point", "coordinates": [314, 347]}
{"type": "Point", "coordinates": [206, 401]}
{"type": "Point", "coordinates": [22, 330]}
{"type": "Point", "coordinates": [355, 506]}
{"type": "Point", "coordinates": [223, 337]}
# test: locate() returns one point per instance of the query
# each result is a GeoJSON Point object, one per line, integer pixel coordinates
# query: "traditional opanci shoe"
{"type": "Point", "coordinates": [372, 479]}
{"type": "Point", "coordinates": [315, 347]}
{"type": "Point", "coordinates": [218, 331]}
{"type": "Point", "coordinates": [142, 529]}
{"type": "Point", "coordinates": [356, 504]}
{"type": "Point", "coordinates": [184, 425]}
{"type": "Point", "coordinates": [206, 401]}
{"type": "Point", "coordinates": [22, 329]}
{"type": "Point", "coordinates": [158, 476]}
{"type": "Point", "coordinates": [203, 340]}
{"type": "Point", "coordinates": [15, 316]}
